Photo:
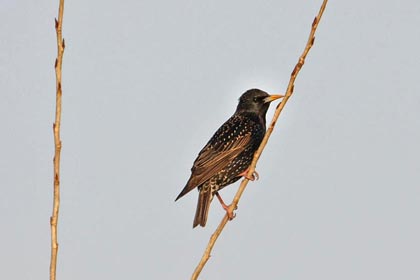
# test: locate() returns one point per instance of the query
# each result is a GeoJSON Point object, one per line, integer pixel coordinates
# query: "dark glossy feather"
{"type": "Point", "coordinates": [225, 145]}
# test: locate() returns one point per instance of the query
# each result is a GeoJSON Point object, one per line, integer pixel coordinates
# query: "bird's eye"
{"type": "Point", "coordinates": [255, 99]}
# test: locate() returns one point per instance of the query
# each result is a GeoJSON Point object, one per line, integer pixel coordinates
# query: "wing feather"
{"type": "Point", "coordinates": [212, 161]}
{"type": "Point", "coordinates": [214, 157]}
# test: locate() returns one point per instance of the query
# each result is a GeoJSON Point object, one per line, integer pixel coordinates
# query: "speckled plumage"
{"type": "Point", "coordinates": [229, 152]}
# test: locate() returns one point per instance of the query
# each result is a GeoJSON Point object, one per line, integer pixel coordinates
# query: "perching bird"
{"type": "Point", "coordinates": [228, 154]}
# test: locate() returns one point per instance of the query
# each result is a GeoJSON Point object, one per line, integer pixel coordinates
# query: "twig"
{"type": "Point", "coordinates": [257, 155]}
{"type": "Point", "coordinates": [57, 141]}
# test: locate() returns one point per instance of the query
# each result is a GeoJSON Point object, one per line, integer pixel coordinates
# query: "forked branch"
{"type": "Point", "coordinates": [257, 155]}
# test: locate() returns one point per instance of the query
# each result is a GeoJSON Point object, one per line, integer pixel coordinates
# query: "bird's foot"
{"type": "Point", "coordinates": [229, 212]}
{"type": "Point", "coordinates": [253, 177]}
{"type": "Point", "coordinates": [231, 215]}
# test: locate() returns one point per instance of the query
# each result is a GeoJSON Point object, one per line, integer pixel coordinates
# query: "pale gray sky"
{"type": "Point", "coordinates": [146, 83]}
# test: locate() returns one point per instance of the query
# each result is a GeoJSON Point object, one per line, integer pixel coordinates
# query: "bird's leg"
{"type": "Point", "coordinates": [253, 177]}
{"type": "Point", "coordinates": [230, 213]}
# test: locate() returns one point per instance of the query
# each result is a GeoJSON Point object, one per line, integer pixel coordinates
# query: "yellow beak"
{"type": "Point", "coordinates": [272, 98]}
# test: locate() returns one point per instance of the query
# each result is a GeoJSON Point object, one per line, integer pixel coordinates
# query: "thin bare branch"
{"type": "Point", "coordinates": [57, 141]}
{"type": "Point", "coordinates": [257, 155]}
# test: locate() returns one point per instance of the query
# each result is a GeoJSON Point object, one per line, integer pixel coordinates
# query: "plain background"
{"type": "Point", "coordinates": [146, 84]}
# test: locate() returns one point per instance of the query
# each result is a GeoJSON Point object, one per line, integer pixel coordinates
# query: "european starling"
{"type": "Point", "coordinates": [228, 154]}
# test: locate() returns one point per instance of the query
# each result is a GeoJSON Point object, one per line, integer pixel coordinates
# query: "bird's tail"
{"type": "Point", "coordinates": [203, 205]}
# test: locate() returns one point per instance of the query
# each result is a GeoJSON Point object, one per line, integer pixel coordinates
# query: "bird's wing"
{"type": "Point", "coordinates": [213, 159]}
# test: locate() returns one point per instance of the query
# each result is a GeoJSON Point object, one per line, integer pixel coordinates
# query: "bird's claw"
{"type": "Point", "coordinates": [229, 212]}
{"type": "Point", "coordinates": [231, 215]}
{"type": "Point", "coordinates": [253, 177]}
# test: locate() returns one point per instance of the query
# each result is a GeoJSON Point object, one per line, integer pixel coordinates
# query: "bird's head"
{"type": "Point", "coordinates": [256, 101]}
